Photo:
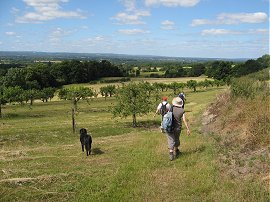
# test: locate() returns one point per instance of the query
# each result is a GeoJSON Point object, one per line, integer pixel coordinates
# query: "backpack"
{"type": "Point", "coordinates": [167, 122]}
{"type": "Point", "coordinates": [163, 109]}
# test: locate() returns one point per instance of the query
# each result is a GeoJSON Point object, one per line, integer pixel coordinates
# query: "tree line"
{"type": "Point", "coordinates": [43, 75]}
{"type": "Point", "coordinates": [220, 70]}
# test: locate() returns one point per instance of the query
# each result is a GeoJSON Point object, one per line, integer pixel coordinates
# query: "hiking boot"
{"type": "Point", "coordinates": [177, 153]}
{"type": "Point", "coordinates": [171, 156]}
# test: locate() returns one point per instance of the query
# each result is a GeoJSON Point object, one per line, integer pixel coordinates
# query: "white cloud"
{"type": "Point", "coordinates": [1, 42]}
{"type": "Point", "coordinates": [236, 18]}
{"type": "Point", "coordinates": [129, 4]}
{"type": "Point", "coordinates": [133, 31]}
{"type": "Point", "coordinates": [14, 10]}
{"type": "Point", "coordinates": [45, 10]}
{"type": "Point", "coordinates": [96, 39]}
{"type": "Point", "coordinates": [167, 25]}
{"type": "Point", "coordinates": [218, 32]}
{"type": "Point", "coordinates": [57, 34]}
{"type": "Point", "coordinates": [11, 33]}
{"type": "Point", "coordinates": [231, 32]}
{"type": "Point", "coordinates": [198, 22]}
{"type": "Point", "coordinates": [233, 18]}
{"type": "Point", "coordinates": [258, 31]}
{"type": "Point", "coordinates": [131, 15]}
{"type": "Point", "coordinates": [131, 19]}
{"type": "Point", "coordinates": [172, 3]}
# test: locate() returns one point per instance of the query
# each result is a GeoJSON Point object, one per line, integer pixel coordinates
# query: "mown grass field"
{"type": "Point", "coordinates": [41, 159]}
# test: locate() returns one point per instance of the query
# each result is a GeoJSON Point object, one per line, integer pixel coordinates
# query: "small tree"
{"type": "Point", "coordinates": [104, 92]}
{"type": "Point", "coordinates": [2, 99]}
{"type": "Point", "coordinates": [192, 84]}
{"type": "Point", "coordinates": [174, 86]}
{"type": "Point", "coordinates": [75, 95]}
{"type": "Point", "coordinates": [13, 94]}
{"type": "Point", "coordinates": [111, 90]}
{"type": "Point", "coordinates": [47, 93]}
{"type": "Point", "coordinates": [107, 91]}
{"type": "Point", "coordinates": [31, 95]}
{"type": "Point", "coordinates": [148, 87]}
{"type": "Point", "coordinates": [132, 100]}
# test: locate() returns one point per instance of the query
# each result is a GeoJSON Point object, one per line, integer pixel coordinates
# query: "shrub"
{"type": "Point", "coordinates": [246, 87]}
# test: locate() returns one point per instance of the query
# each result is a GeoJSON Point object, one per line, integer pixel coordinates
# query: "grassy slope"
{"type": "Point", "coordinates": [127, 164]}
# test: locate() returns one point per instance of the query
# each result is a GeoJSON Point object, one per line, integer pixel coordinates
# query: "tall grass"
{"type": "Point", "coordinates": [240, 125]}
{"type": "Point", "coordinates": [251, 95]}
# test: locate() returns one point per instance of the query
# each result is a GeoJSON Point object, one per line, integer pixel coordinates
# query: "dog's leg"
{"type": "Point", "coordinates": [82, 147]}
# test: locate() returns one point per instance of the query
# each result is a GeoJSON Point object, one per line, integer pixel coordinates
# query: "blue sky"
{"type": "Point", "coordinates": [181, 28]}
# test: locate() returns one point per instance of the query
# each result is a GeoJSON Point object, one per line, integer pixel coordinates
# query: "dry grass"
{"type": "Point", "coordinates": [241, 127]}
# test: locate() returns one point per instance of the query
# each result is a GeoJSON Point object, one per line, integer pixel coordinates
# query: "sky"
{"type": "Point", "coordinates": [174, 28]}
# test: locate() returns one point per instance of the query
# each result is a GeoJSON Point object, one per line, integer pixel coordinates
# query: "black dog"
{"type": "Point", "coordinates": [86, 141]}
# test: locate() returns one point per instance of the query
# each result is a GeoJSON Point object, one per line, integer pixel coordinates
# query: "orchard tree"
{"type": "Point", "coordinates": [14, 94]}
{"type": "Point", "coordinates": [174, 86]}
{"type": "Point", "coordinates": [47, 93]}
{"type": "Point", "coordinates": [192, 84]}
{"type": "Point", "coordinates": [75, 95]}
{"type": "Point", "coordinates": [148, 87]}
{"type": "Point", "coordinates": [181, 86]}
{"type": "Point", "coordinates": [132, 100]}
{"type": "Point", "coordinates": [104, 92]}
{"type": "Point", "coordinates": [107, 91]}
{"type": "Point", "coordinates": [161, 86]}
{"type": "Point", "coordinates": [2, 99]}
{"type": "Point", "coordinates": [31, 95]}
{"type": "Point", "coordinates": [111, 90]}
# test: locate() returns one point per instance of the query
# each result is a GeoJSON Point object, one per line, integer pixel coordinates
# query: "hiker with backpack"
{"type": "Point", "coordinates": [172, 125]}
{"type": "Point", "coordinates": [162, 109]}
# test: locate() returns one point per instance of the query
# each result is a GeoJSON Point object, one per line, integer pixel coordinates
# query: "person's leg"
{"type": "Point", "coordinates": [177, 142]}
{"type": "Point", "coordinates": [171, 143]}
{"type": "Point", "coordinates": [161, 127]}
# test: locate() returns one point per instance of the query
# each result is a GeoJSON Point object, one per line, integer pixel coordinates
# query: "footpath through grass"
{"type": "Point", "coordinates": [40, 159]}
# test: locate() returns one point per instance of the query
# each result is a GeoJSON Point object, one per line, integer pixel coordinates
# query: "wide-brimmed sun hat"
{"type": "Point", "coordinates": [177, 101]}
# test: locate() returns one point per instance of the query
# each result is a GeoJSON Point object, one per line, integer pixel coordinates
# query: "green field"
{"type": "Point", "coordinates": [41, 159]}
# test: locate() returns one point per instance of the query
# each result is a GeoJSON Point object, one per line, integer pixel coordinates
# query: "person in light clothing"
{"type": "Point", "coordinates": [174, 137]}
{"type": "Point", "coordinates": [162, 109]}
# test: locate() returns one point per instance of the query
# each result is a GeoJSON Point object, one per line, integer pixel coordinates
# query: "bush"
{"type": "Point", "coordinates": [246, 87]}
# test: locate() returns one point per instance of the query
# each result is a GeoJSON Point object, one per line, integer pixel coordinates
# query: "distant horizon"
{"type": "Point", "coordinates": [133, 55]}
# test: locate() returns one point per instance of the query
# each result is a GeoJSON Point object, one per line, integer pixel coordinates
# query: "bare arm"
{"type": "Point", "coordinates": [157, 111]}
{"type": "Point", "coordinates": [186, 124]}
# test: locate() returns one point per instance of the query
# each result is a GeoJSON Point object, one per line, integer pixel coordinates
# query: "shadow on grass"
{"type": "Point", "coordinates": [19, 115]}
{"type": "Point", "coordinates": [188, 110]}
{"type": "Point", "coordinates": [148, 124]}
{"type": "Point", "coordinates": [97, 151]}
{"type": "Point", "coordinates": [195, 150]}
